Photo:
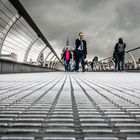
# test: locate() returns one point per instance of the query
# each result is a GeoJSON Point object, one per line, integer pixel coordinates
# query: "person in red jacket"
{"type": "Point", "coordinates": [67, 57]}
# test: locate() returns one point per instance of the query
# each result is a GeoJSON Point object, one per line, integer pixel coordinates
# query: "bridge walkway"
{"type": "Point", "coordinates": [70, 106]}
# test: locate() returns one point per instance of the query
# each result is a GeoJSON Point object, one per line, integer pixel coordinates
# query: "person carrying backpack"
{"type": "Point", "coordinates": [120, 50]}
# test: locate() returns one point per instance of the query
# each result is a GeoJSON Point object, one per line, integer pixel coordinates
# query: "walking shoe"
{"type": "Point", "coordinates": [83, 70]}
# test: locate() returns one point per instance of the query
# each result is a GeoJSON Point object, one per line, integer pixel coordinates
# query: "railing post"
{"type": "Point", "coordinates": [134, 61]}
{"type": "Point", "coordinates": [28, 49]}
{"type": "Point", "coordinates": [50, 61]}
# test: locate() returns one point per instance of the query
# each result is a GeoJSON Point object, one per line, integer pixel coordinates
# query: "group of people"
{"type": "Point", "coordinates": [80, 53]}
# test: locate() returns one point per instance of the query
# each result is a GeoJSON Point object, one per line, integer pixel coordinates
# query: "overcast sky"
{"type": "Point", "coordinates": [101, 21]}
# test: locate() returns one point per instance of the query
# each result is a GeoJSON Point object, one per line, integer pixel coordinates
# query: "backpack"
{"type": "Point", "coordinates": [121, 48]}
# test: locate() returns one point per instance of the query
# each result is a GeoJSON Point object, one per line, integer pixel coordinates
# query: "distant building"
{"type": "Point", "coordinates": [41, 59]}
{"type": "Point", "coordinates": [11, 56]}
{"type": "Point", "coordinates": [64, 49]}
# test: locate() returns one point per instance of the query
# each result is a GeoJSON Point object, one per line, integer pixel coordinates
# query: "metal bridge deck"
{"type": "Point", "coordinates": [70, 106]}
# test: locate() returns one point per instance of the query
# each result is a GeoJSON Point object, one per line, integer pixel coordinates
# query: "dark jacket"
{"type": "Point", "coordinates": [78, 43]}
{"type": "Point", "coordinates": [116, 49]}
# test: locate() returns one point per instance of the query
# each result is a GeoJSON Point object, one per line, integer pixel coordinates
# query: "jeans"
{"type": "Point", "coordinates": [120, 62]}
{"type": "Point", "coordinates": [67, 65]}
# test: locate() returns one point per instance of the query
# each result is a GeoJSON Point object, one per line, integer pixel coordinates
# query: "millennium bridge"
{"type": "Point", "coordinates": [39, 101]}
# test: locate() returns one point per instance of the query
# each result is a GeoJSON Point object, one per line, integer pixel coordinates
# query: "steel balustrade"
{"type": "Point", "coordinates": [53, 64]}
{"type": "Point", "coordinates": [50, 63]}
{"type": "Point", "coordinates": [19, 34]}
{"type": "Point", "coordinates": [7, 29]}
{"type": "Point", "coordinates": [41, 53]}
{"type": "Point", "coordinates": [109, 59]}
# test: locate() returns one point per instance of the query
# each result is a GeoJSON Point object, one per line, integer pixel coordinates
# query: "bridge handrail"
{"type": "Point", "coordinates": [110, 57]}
{"type": "Point", "coordinates": [22, 11]}
{"type": "Point", "coordinates": [132, 49]}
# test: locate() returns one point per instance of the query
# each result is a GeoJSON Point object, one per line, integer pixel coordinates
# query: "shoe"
{"type": "Point", "coordinates": [83, 70]}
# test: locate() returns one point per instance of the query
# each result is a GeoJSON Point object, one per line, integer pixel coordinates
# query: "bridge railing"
{"type": "Point", "coordinates": [20, 38]}
{"type": "Point", "coordinates": [132, 60]}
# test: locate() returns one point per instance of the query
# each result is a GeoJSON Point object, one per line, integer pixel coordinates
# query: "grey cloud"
{"type": "Point", "coordinates": [88, 5]}
{"type": "Point", "coordinates": [127, 15]}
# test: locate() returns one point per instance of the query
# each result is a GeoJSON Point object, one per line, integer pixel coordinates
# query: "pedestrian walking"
{"type": "Point", "coordinates": [67, 57]}
{"type": "Point", "coordinates": [80, 51]}
{"type": "Point", "coordinates": [120, 50]}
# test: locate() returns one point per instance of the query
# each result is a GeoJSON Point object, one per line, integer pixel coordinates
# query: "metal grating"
{"type": "Point", "coordinates": [70, 106]}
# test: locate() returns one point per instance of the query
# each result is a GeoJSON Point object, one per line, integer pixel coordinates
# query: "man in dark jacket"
{"type": "Point", "coordinates": [80, 51]}
{"type": "Point", "coordinates": [120, 50]}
